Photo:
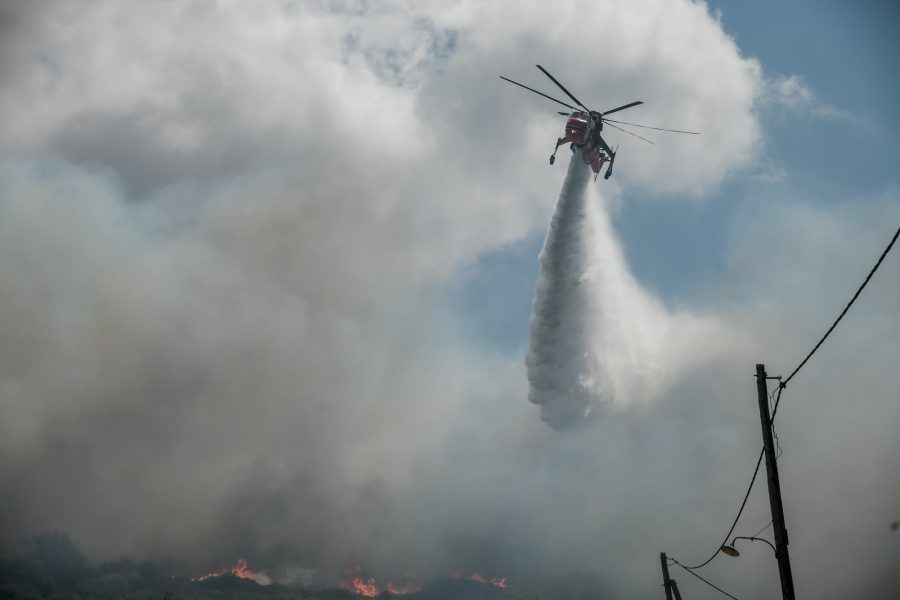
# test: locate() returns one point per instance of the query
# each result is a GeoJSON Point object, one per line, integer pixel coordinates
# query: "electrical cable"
{"type": "Point", "coordinates": [733, 525]}
{"type": "Point", "coordinates": [852, 300]}
{"type": "Point", "coordinates": [775, 410]}
{"type": "Point", "coordinates": [781, 386]}
{"type": "Point", "coordinates": [744, 503]}
{"type": "Point", "coordinates": [773, 402]}
{"type": "Point", "coordinates": [772, 398]}
{"type": "Point", "coordinates": [703, 580]}
{"type": "Point", "coordinates": [777, 443]}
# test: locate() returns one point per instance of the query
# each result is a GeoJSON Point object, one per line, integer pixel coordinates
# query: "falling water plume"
{"type": "Point", "coordinates": [596, 336]}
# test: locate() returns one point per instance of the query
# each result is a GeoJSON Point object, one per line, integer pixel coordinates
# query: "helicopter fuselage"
{"type": "Point", "coordinates": [583, 130]}
{"type": "Point", "coordinates": [579, 127]}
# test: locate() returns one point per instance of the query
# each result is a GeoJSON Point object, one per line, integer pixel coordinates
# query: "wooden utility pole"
{"type": "Point", "coordinates": [781, 536]}
{"type": "Point", "coordinates": [666, 580]}
{"type": "Point", "coordinates": [675, 589]}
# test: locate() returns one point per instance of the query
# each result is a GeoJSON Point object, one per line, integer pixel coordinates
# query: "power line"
{"type": "Point", "coordinates": [733, 525]}
{"type": "Point", "coordinates": [744, 503]}
{"type": "Point", "coordinates": [852, 300]}
{"type": "Point", "coordinates": [703, 580]}
{"type": "Point", "coordinates": [783, 384]}
{"type": "Point", "coordinates": [773, 401]}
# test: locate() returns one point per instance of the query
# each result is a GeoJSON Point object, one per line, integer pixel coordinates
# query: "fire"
{"type": "Point", "coordinates": [500, 583]}
{"type": "Point", "coordinates": [404, 589]}
{"type": "Point", "coordinates": [241, 570]}
{"type": "Point", "coordinates": [356, 584]}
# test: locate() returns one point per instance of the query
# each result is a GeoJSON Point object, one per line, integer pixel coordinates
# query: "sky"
{"type": "Point", "coordinates": [267, 271]}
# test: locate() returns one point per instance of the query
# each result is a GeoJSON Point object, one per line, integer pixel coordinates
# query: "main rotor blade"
{"type": "Point", "coordinates": [629, 133]}
{"type": "Point", "coordinates": [648, 127]}
{"type": "Point", "coordinates": [574, 99]}
{"type": "Point", "coordinates": [538, 93]}
{"type": "Point", "coordinates": [562, 113]}
{"type": "Point", "coordinates": [621, 108]}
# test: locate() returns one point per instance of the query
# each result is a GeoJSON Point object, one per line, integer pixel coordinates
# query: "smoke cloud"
{"type": "Point", "coordinates": [227, 232]}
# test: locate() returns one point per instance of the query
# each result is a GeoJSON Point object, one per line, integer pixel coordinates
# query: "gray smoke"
{"type": "Point", "coordinates": [227, 233]}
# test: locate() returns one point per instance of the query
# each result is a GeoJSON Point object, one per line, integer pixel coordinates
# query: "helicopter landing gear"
{"type": "Point", "coordinates": [559, 143]}
{"type": "Point", "coordinates": [612, 161]}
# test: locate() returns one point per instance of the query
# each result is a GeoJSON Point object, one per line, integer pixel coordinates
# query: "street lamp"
{"type": "Point", "coordinates": [732, 551]}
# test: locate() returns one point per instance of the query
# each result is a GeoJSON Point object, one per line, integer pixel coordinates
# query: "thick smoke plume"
{"type": "Point", "coordinates": [236, 311]}
{"type": "Point", "coordinates": [597, 338]}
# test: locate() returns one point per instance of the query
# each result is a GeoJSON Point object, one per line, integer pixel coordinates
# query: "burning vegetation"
{"type": "Point", "coordinates": [500, 583]}
{"type": "Point", "coordinates": [52, 566]}
{"type": "Point", "coordinates": [354, 582]}
{"type": "Point", "coordinates": [240, 570]}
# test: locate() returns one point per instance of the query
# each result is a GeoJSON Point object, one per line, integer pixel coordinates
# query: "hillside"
{"type": "Point", "coordinates": [52, 567]}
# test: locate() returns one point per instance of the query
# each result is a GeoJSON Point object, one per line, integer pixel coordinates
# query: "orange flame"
{"type": "Point", "coordinates": [500, 583]}
{"type": "Point", "coordinates": [356, 584]}
{"type": "Point", "coordinates": [404, 589]}
{"type": "Point", "coordinates": [241, 570]}
{"type": "Point", "coordinates": [211, 575]}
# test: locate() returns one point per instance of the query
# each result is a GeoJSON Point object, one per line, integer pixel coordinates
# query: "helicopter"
{"type": "Point", "coordinates": [583, 129]}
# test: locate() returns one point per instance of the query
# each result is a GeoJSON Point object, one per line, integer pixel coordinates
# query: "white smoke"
{"type": "Point", "coordinates": [597, 338]}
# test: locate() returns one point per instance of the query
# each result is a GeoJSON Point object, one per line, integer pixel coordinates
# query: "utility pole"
{"type": "Point", "coordinates": [781, 536]}
{"type": "Point", "coordinates": [666, 581]}
{"type": "Point", "coordinates": [675, 589]}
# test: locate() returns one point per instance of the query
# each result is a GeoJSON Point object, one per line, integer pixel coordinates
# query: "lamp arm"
{"type": "Point", "coordinates": [756, 538]}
